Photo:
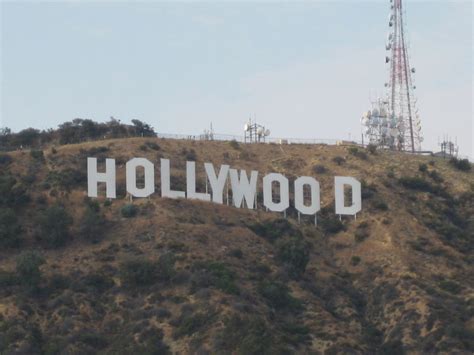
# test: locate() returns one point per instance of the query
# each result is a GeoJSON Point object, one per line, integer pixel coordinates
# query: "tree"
{"type": "Point", "coordinates": [28, 269]}
{"type": "Point", "coordinates": [9, 228]}
{"type": "Point", "coordinates": [143, 129]}
{"type": "Point", "coordinates": [54, 225]}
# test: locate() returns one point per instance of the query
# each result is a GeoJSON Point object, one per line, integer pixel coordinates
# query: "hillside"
{"type": "Point", "coordinates": [183, 276]}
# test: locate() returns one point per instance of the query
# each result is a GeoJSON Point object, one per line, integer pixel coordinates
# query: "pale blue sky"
{"type": "Point", "coordinates": [304, 69]}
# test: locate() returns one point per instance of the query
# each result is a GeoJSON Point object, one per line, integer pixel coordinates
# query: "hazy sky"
{"type": "Point", "coordinates": [304, 69]}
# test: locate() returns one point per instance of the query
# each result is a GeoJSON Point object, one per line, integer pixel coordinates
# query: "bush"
{"type": "Point", "coordinates": [450, 286]}
{"type": "Point", "coordinates": [152, 145]}
{"type": "Point", "coordinates": [332, 225]}
{"type": "Point", "coordinates": [460, 164]}
{"type": "Point", "coordinates": [294, 254]}
{"type": "Point", "coordinates": [339, 160]}
{"type": "Point", "coordinates": [92, 223]}
{"type": "Point", "coordinates": [66, 178]}
{"type": "Point", "coordinates": [138, 272]}
{"type": "Point", "coordinates": [416, 183]}
{"type": "Point", "coordinates": [435, 176]}
{"type": "Point", "coordinates": [236, 253]}
{"type": "Point", "coordinates": [214, 274]}
{"type": "Point", "coordinates": [9, 228]}
{"type": "Point", "coordinates": [245, 335]}
{"type": "Point", "coordinates": [37, 154]}
{"type": "Point", "coordinates": [54, 225]}
{"type": "Point", "coordinates": [355, 260]}
{"type": "Point", "coordinates": [28, 268]}
{"type": "Point", "coordinates": [190, 323]}
{"type": "Point", "coordinates": [379, 204]}
{"type": "Point", "coordinates": [234, 144]}
{"type": "Point", "coordinates": [278, 296]}
{"type": "Point", "coordinates": [5, 159]}
{"type": "Point", "coordinates": [358, 153]}
{"type": "Point", "coordinates": [320, 169]}
{"type": "Point", "coordinates": [274, 229]}
{"type": "Point", "coordinates": [423, 168]}
{"type": "Point", "coordinates": [372, 148]}
{"type": "Point", "coordinates": [129, 210]}
{"type": "Point", "coordinates": [361, 234]}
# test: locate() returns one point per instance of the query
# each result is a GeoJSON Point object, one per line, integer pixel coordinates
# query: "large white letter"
{"type": "Point", "coordinates": [217, 183]}
{"type": "Point", "coordinates": [93, 177]}
{"type": "Point", "coordinates": [339, 182]}
{"type": "Point", "coordinates": [191, 183]}
{"type": "Point", "coordinates": [243, 188]}
{"type": "Point", "coordinates": [165, 182]}
{"type": "Point", "coordinates": [315, 205]}
{"type": "Point", "coordinates": [268, 192]}
{"type": "Point", "coordinates": [131, 174]}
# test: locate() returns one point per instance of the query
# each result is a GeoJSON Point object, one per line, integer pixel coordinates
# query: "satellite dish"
{"type": "Point", "coordinates": [390, 23]}
{"type": "Point", "coordinates": [246, 127]}
{"type": "Point", "coordinates": [267, 132]}
{"type": "Point", "coordinates": [260, 131]}
{"type": "Point", "coordinates": [413, 70]}
{"type": "Point", "coordinates": [365, 121]}
{"type": "Point", "coordinates": [387, 59]}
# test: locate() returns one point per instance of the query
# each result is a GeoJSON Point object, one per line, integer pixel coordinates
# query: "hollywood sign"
{"type": "Point", "coordinates": [243, 188]}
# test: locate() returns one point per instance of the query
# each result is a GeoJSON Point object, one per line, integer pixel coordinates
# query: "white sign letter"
{"type": "Point", "coordinates": [339, 182]}
{"type": "Point", "coordinates": [243, 188]}
{"type": "Point", "coordinates": [268, 192]}
{"type": "Point", "coordinates": [93, 177]}
{"type": "Point", "coordinates": [165, 182]}
{"type": "Point", "coordinates": [315, 205]}
{"type": "Point", "coordinates": [217, 183]}
{"type": "Point", "coordinates": [191, 183]}
{"type": "Point", "coordinates": [131, 174]}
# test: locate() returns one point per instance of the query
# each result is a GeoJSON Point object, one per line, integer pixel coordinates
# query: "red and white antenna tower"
{"type": "Point", "coordinates": [394, 123]}
{"type": "Point", "coordinates": [401, 88]}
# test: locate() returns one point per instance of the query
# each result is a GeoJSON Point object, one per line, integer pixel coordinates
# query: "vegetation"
{"type": "Point", "coordinates": [10, 229]}
{"type": "Point", "coordinates": [54, 224]}
{"type": "Point", "coordinates": [28, 269]}
{"type": "Point", "coordinates": [460, 164]}
{"type": "Point", "coordinates": [277, 295]}
{"type": "Point", "coordinates": [129, 210]}
{"type": "Point", "coordinates": [294, 254]}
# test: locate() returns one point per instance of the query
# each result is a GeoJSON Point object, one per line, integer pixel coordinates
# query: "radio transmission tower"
{"type": "Point", "coordinates": [394, 122]}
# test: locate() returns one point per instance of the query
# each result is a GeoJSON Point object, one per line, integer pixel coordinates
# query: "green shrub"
{"type": "Point", "coordinates": [331, 224]}
{"type": "Point", "coordinates": [358, 153]}
{"type": "Point", "coordinates": [274, 229]}
{"type": "Point", "coordinates": [320, 169]}
{"type": "Point", "coordinates": [28, 268]}
{"type": "Point", "coordinates": [10, 230]}
{"type": "Point", "coordinates": [372, 148]}
{"type": "Point", "coordinates": [450, 286]}
{"type": "Point", "coordinates": [129, 210]}
{"type": "Point", "coordinates": [234, 144]}
{"type": "Point", "coordinates": [236, 253]}
{"type": "Point", "coordinates": [152, 145]}
{"type": "Point", "coordinates": [189, 324]}
{"type": "Point", "coordinates": [5, 159]}
{"type": "Point", "coordinates": [435, 176]}
{"type": "Point", "coordinates": [361, 234]}
{"type": "Point", "coordinates": [423, 168]}
{"type": "Point", "coordinates": [54, 225]}
{"type": "Point", "coordinates": [355, 260]}
{"type": "Point", "coordinates": [460, 164]}
{"type": "Point", "coordinates": [416, 183]}
{"type": "Point", "coordinates": [138, 272]}
{"type": "Point", "coordinates": [37, 154]}
{"type": "Point", "coordinates": [339, 160]}
{"type": "Point", "coordinates": [277, 295]}
{"type": "Point", "coordinates": [66, 179]}
{"type": "Point", "coordinates": [215, 274]}
{"type": "Point", "coordinates": [294, 254]}
{"type": "Point", "coordinates": [379, 204]}
{"type": "Point", "coordinates": [92, 223]}
{"type": "Point", "coordinates": [246, 335]}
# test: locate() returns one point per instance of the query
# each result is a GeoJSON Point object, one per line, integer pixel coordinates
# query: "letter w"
{"type": "Point", "coordinates": [243, 188]}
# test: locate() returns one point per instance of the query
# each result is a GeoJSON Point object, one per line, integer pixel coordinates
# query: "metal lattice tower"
{"type": "Point", "coordinates": [394, 122]}
{"type": "Point", "coordinates": [401, 88]}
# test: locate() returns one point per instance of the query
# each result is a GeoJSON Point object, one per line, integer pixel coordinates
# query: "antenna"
{"type": "Point", "coordinates": [394, 123]}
